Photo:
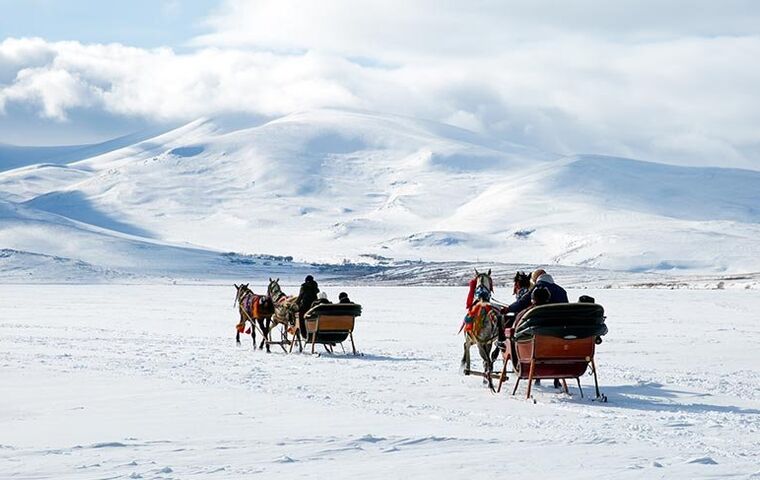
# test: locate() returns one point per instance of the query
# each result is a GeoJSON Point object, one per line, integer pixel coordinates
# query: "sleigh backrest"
{"type": "Point", "coordinates": [331, 323]}
{"type": "Point", "coordinates": [554, 348]}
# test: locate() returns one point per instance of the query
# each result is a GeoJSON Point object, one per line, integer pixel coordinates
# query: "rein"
{"type": "Point", "coordinates": [498, 303]}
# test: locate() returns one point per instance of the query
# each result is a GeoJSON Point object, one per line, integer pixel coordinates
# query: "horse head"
{"type": "Point", "coordinates": [273, 289]}
{"type": "Point", "coordinates": [483, 280]}
{"type": "Point", "coordinates": [241, 291]}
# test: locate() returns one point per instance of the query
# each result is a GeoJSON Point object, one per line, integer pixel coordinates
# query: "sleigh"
{"type": "Point", "coordinates": [555, 341]}
{"type": "Point", "coordinates": [330, 325]}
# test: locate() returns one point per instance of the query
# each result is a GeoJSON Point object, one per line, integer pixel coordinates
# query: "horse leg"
{"type": "Point", "coordinates": [485, 353]}
{"type": "Point", "coordinates": [481, 349]}
{"type": "Point", "coordinates": [237, 330]}
{"type": "Point", "coordinates": [495, 354]}
{"type": "Point", "coordinates": [253, 334]}
{"type": "Point", "coordinates": [296, 320]}
{"type": "Point", "coordinates": [264, 331]}
{"type": "Point", "coordinates": [269, 332]}
{"type": "Point", "coordinates": [502, 340]}
{"type": "Point", "coordinates": [466, 357]}
{"type": "Point", "coordinates": [300, 336]}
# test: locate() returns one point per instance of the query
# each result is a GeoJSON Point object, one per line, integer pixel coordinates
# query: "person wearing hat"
{"type": "Point", "coordinates": [321, 300]}
{"type": "Point", "coordinates": [306, 296]}
{"type": "Point", "coordinates": [308, 292]}
{"type": "Point", "coordinates": [343, 298]}
{"type": "Point", "coordinates": [539, 278]}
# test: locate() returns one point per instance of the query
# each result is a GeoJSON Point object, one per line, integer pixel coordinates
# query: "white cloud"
{"type": "Point", "coordinates": [54, 90]}
{"type": "Point", "coordinates": [434, 28]}
{"type": "Point", "coordinates": [670, 83]}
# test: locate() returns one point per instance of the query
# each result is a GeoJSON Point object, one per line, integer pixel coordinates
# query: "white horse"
{"type": "Point", "coordinates": [484, 329]}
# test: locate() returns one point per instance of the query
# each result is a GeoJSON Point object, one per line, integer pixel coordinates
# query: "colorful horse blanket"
{"type": "Point", "coordinates": [251, 305]}
{"type": "Point", "coordinates": [476, 317]}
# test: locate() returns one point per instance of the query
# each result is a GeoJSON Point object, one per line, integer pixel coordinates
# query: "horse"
{"type": "Point", "coordinates": [253, 307]}
{"type": "Point", "coordinates": [285, 308]}
{"type": "Point", "coordinates": [484, 330]}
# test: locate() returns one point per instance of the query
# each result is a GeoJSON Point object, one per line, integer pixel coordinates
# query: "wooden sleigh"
{"type": "Point", "coordinates": [555, 341]}
{"type": "Point", "coordinates": [329, 325]}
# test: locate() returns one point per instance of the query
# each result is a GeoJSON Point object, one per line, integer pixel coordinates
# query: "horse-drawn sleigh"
{"type": "Point", "coordinates": [554, 341]}
{"type": "Point", "coordinates": [327, 324]}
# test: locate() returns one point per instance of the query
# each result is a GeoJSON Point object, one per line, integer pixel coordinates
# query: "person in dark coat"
{"type": "Point", "coordinates": [307, 294]}
{"type": "Point", "coordinates": [538, 278]}
{"type": "Point", "coordinates": [543, 279]}
{"type": "Point", "coordinates": [543, 287]}
{"type": "Point", "coordinates": [343, 298]}
{"type": "Point", "coordinates": [539, 296]}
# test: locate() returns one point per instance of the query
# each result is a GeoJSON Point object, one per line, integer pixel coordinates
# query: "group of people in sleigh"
{"type": "Point", "coordinates": [310, 296]}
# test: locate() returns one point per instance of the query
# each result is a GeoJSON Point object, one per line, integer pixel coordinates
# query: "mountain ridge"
{"type": "Point", "coordinates": [332, 185]}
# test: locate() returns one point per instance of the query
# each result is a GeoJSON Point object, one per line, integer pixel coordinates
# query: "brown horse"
{"type": "Point", "coordinates": [253, 307]}
{"type": "Point", "coordinates": [484, 329]}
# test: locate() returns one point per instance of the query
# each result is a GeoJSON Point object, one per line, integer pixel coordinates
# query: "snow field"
{"type": "Point", "coordinates": [145, 381]}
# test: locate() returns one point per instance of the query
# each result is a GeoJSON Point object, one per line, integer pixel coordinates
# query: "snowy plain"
{"type": "Point", "coordinates": [145, 381]}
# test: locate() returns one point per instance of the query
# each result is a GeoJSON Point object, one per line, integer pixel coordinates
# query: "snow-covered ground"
{"type": "Point", "coordinates": [144, 381]}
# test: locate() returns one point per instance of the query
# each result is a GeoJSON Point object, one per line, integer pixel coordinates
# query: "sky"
{"type": "Point", "coordinates": [671, 81]}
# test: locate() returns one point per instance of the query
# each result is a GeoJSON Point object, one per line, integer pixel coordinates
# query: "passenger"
{"type": "Point", "coordinates": [523, 300]}
{"type": "Point", "coordinates": [321, 300]}
{"type": "Point", "coordinates": [539, 296]}
{"type": "Point", "coordinates": [539, 278]}
{"type": "Point", "coordinates": [343, 298]}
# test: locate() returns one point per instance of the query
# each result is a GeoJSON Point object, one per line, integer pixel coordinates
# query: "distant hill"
{"type": "Point", "coordinates": [330, 185]}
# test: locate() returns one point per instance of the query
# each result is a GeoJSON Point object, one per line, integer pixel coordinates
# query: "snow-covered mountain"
{"type": "Point", "coordinates": [330, 185]}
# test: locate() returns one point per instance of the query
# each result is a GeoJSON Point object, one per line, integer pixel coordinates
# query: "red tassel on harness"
{"type": "Point", "coordinates": [248, 332]}
{"type": "Point", "coordinates": [471, 294]}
